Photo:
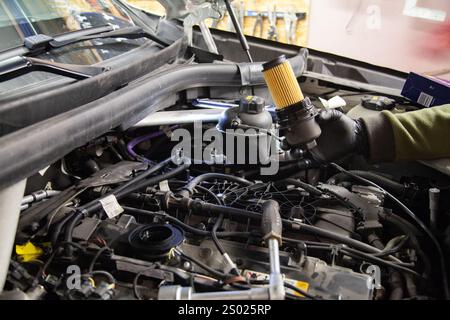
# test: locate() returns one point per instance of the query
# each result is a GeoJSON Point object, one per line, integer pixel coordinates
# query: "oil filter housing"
{"type": "Point", "coordinates": [249, 126]}
{"type": "Point", "coordinates": [296, 113]}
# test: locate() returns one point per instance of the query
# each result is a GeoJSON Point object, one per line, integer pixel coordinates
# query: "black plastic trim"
{"type": "Point", "coordinates": [30, 149]}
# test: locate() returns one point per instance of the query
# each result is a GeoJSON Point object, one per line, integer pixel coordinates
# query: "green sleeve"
{"type": "Point", "coordinates": [417, 135]}
{"type": "Point", "coordinates": [422, 134]}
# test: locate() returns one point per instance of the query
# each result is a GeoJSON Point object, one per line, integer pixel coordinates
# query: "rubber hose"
{"type": "Point", "coordinates": [395, 278]}
{"type": "Point", "coordinates": [200, 206]}
{"type": "Point", "coordinates": [388, 184]}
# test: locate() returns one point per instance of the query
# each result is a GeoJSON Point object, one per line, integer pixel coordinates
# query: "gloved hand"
{"type": "Point", "coordinates": [341, 136]}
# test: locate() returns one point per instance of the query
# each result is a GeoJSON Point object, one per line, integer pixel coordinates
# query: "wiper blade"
{"type": "Point", "coordinates": [40, 43]}
{"type": "Point", "coordinates": [17, 66]}
{"type": "Point", "coordinates": [128, 33]}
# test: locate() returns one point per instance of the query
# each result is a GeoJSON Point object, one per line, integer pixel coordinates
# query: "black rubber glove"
{"type": "Point", "coordinates": [341, 136]}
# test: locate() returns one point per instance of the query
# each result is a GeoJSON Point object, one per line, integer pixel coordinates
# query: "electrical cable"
{"type": "Point", "coordinates": [214, 234]}
{"type": "Point", "coordinates": [289, 286]}
{"type": "Point", "coordinates": [135, 285]}
{"type": "Point", "coordinates": [219, 234]}
{"type": "Point", "coordinates": [185, 226]}
{"type": "Point", "coordinates": [212, 194]}
{"type": "Point", "coordinates": [190, 187]}
{"type": "Point", "coordinates": [298, 183]}
{"type": "Point", "coordinates": [414, 218]}
{"type": "Point", "coordinates": [387, 184]}
{"type": "Point", "coordinates": [122, 191]}
{"type": "Point", "coordinates": [133, 143]}
{"type": "Point", "coordinates": [104, 273]}
{"type": "Point", "coordinates": [219, 245]}
{"type": "Point", "coordinates": [267, 132]}
{"type": "Point", "coordinates": [203, 177]}
{"type": "Point", "coordinates": [301, 292]}
{"type": "Point", "coordinates": [217, 274]}
{"type": "Point", "coordinates": [154, 180]}
{"type": "Point", "coordinates": [363, 256]}
{"type": "Point", "coordinates": [96, 205]}
{"type": "Point", "coordinates": [58, 228]}
{"type": "Point", "coordinates": [201, 206]}
{"type": "Point", "coordinates": [97, 255]}
{"type": "Point", "coordinates": [288, 169]}
{"type": "Point", "coordinates": [409, 229]}
{"type": "Point", "coordinates": [52, 256]}
{"type": "Point", "coordinates": [394, 249]}
{"type": "Point", "coordinates": [373, 259]}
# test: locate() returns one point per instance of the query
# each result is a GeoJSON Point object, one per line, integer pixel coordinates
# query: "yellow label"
{"type": "Point", "coordinates": [304, 286]}
{"type": "Point", "coordinates": [254, 275]}
{"type": "Point", "coordinates": [28, 252]}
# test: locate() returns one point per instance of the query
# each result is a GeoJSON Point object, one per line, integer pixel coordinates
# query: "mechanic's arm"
{"type": "Point", "coordinates": [417, 135]}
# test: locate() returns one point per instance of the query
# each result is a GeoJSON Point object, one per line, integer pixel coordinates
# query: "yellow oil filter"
{"type": "Point", "coordinates": [282, 83]}
{"type": "Point", "coordinates": [295, 112]}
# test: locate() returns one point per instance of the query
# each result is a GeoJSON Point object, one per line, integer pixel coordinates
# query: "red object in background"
{"type": "Point", "coordinates": [439, 43]}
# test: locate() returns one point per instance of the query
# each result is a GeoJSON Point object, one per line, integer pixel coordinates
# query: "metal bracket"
{"type": "Point", "coordinates": [375, 272]}
{"type": "Point", "coordinates": [194, 12]}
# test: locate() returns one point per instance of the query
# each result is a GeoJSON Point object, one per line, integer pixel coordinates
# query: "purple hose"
{"type": "Point", "coordinates": [138, 140]}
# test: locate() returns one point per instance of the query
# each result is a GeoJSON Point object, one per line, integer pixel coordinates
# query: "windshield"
{"type": "Point", "coordinates": [23, 18]}
{"type": "Point", "coordinates": [20, 19]}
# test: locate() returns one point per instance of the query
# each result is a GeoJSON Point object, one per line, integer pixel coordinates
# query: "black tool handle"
{"type": "Point", "coordinates": [271, 223]}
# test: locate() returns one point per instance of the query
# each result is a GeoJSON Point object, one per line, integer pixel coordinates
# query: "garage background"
{"type": "Point", "coordinates": [407, 35]}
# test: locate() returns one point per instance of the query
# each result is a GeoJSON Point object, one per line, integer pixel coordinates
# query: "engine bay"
{"type": "Point", "coordinates": [132, 216]}
{"type": "Point", "coordinates": [187, 166]}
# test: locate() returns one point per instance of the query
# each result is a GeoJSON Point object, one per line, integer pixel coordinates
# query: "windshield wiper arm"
{"type": "Point", "coordinates": [128, 33]}
{"type": "Point", "coordinates": [40, 43]}
{"type": "Point", "coordinates": [16, 63]}
{"type": "Point", "coordinates": [17, 66]}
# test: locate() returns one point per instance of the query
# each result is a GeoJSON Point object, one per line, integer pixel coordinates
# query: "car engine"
{"type": "Point", "coordinates": [137, 214]}
{"type": "Point", "coordinates": [156, 230]}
